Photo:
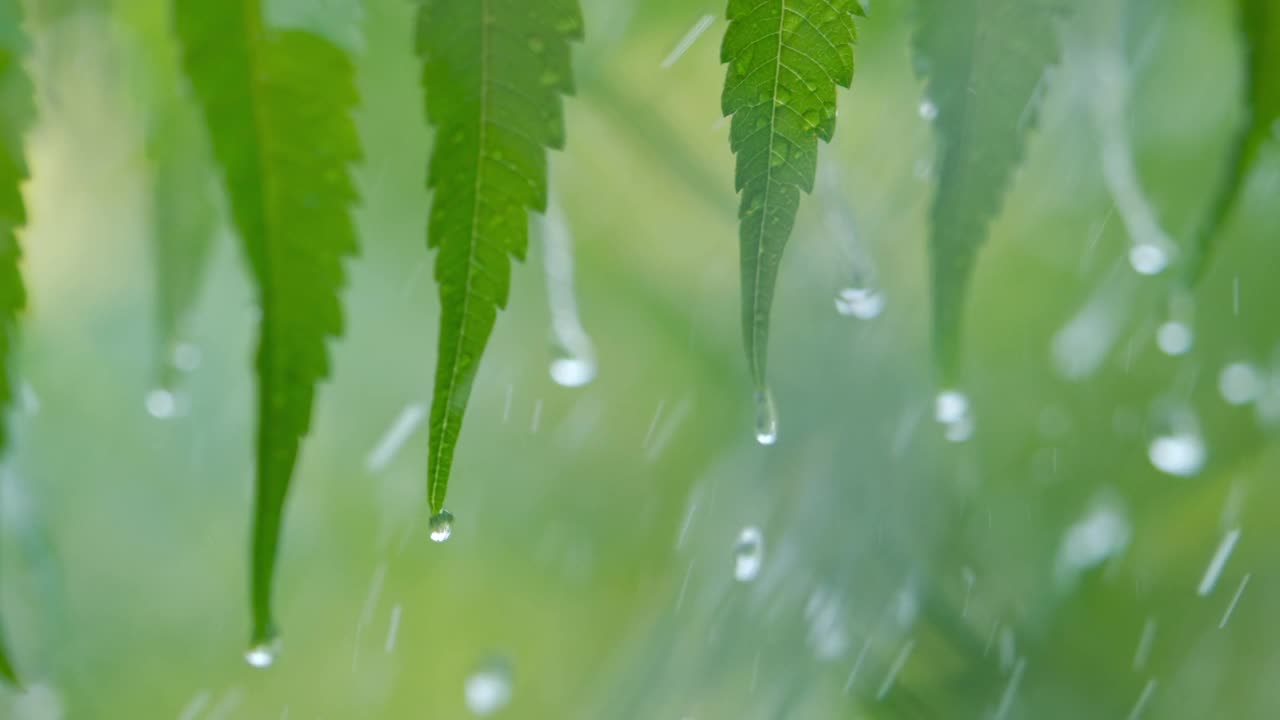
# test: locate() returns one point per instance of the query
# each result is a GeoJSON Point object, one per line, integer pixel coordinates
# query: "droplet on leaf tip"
{"type": "Point", "coordinates": [862, 303]}
{"type": "Point", "coordinates": [441, 526]}
{"type": "Point", "coordinates": [263, 654]}
{"type": "Point", "coordinates": [572, 371]}
{"type": "Point", "coordinates": [766, 418]}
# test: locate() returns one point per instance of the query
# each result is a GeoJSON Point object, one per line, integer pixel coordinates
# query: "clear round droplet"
{"type": "Point", "coordinates": [748, 554]}
{"type": "Point", "coordinates": [766, 418]}
{"type": "Point", "coordinates": [572, 371]}
{"type": "Point", "coordinates": [1148, 259]}
{"type": "Point", "coordinates": [161, 404]}
{"type": "Point", "coordinates": [928, 110]}
{"type": "Point", "coordinates": [264, 654]}
{"type": "Point", "coordinates": [1174, 338]}
{"type": "Point", "coordinates": [1180, 453]}
{"type": "Point", "coordinates": [440, 526]}
{"type": "Point", "coordinates": [488, 689]}
{"type": "Point", "coordinates": [863, 303]}
{"type": "Point", "coordinates": [1239, 383]}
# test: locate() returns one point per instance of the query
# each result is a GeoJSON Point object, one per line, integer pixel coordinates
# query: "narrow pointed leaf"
{"type": "Point", "coordinates": [277, 107]}
{"type": "Point", "coordinates": [985, 62]}
{"type": "Point", "coordinates": [494, 72]}
{"type": "Point", "coordinates": [786, 58]}
{"type": "Point", "coordinates": [1260, 33]}
{"type": "Point", "coordinates": [15, 113]}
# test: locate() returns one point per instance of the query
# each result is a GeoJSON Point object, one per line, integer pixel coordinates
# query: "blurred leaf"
{"type": "Point", "coordinates": [276, 104]}
{"type": "Point", "coordinates": [494, 71]}
{"type": "Point", "coordinates": [1260, 31]}
{"type": "Point", "coordinates": [984, 61]}
{"type": "Point", "coordinates": [16, 110]}
{"type": "Point", "coordinates": [785, 61]}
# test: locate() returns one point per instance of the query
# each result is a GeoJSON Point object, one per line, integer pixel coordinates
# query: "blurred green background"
{"type": "Point", "coordinates": [1040, 568]}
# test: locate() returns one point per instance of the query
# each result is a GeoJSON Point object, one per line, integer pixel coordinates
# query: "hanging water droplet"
{"type": "Point", "coordinates": [928, 110]}
{"type": "Point", "coordinates": [1174, 338]}
{"type": "Point", "coordinates": [864, 303]}
{"type": "Point", "coordinates": [572, 371]}
{"type": "Point", "coordinates": [951, 410]}
{"type": "Point", "coordinates": [1148, 259]}
{"type": "Point", "coordinates": [264, 654]}
{"type": "Point", "coordinates": [766, 418]}
{"type": "Point", "coordinates": [748, 554]}
{"type": "Point", "coordinates": [1179, 451]}
{"type": "Point", "coordinates": [1239, 383]}
{"type": "Point", "coordinates": [161, 404]}
{"type": "Point", "coordinates": [488, 689]}
{"type": "Point", "coordinates": [440, 526]}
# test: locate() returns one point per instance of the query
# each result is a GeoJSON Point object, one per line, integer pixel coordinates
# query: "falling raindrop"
{"type": "Point", "coordinates": [488, 689]}
{"type": "Point", "coordinates": [1148, 258]}
{"type": "Point", "coordinates": [766, 418]}
{"type": "Point", "coordinates": [748, 554]}
{"type": "Point", "coordinates": [161, 404]}
{"type": "Point", "coordinates": [574, 364]}
{"type": "Point", "coordinates": [863, 303]}
{"type": "Point", "coordinates": [263, 654]}
{"type": "Point", "coordinates": [1174, 338]}
{"type": "Point", "coordinates": [928, 110]}
{"type": "Point", "coordinates": [951, 410]}
{"type": "Point", "coordinates": [571, 371]}
{"type": "Point", "coordinates": [1179, 452]}
{"type": "Point", "coordinates": [1102, 533]}
{"type": "Point", "coordinates": [1239, 383]}
{"type": "Point", "coordinates": [440, 526]}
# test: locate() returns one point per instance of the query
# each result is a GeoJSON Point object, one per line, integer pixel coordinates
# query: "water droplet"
{"type": "Point", "coordinates": [1239, 383]}
{"type": "Point", "coordinates": [186, 357]}
{"type": "Point", "coordinates": [441, 526]}
{"type": "Point", "coordinates": [1102, 533]}
{"type": "Point", "coordinates": [1180, 453]}
{"type": "Point", "coordinates": [766, 418]}
{"type": "Point", "coordinates": [748, 554]}
{"type": "Point", "coordinates": [1174, 338]}
{"type": "Point", "coordinates": [488, 689]}
{"type": "Point", "coordinates": [571, 371]}
{"type": "Point", "coordinates": [1148, 259]}
{"type": "Point", "coordinates": [928, 110]}
{"type": "Point", "coordinates": [951, 410]}
{"type": "Point", "coordinates": [864, 303]}
{"type": "Point", "coordinates": [161, 404]}
{"type": "Point", "coordinates": [264, 654]}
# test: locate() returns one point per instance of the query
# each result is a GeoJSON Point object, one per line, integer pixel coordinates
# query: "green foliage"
{"type": "Point", "coordinates": [984, 61]}
{"type": "Point", "coordinates": [15, 114]}
{"type": "Point", "coordinates": [276, 104]}
{"type": "Point", "coordinates": [494, 72]}
{"type": "Point", "coordinates": [785, 60]}
{"type": "Point", "coordinates": [1260, 33]}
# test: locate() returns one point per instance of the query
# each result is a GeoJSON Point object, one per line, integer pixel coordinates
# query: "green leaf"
{"type": "Point", "coordinates": [494, 72]}
{"type": "Point", "coordinates": [984, 61]}
{"type": "Point", "coordinates": [277, 106]}
{"type": "Point", "coordinates": [16, 110]}
{"type": "Point", "coordinates": [785, 58]}
{"type": "Point", "coordinates": [1260, 30]}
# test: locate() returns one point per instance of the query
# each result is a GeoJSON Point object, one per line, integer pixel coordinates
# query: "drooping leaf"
{"type": "Point", "coordinates": [16, 105]}
{"type": "Point", "coordinates": [1260, 33]}
{"type": "Point", "coordinates": [984, 61]}
{"type": "Point", "coordinates": [494, 72]}
{"type": "Point", "coordinates": [785, 59]}
{"type": "Point", "coordinates": [277, 104]}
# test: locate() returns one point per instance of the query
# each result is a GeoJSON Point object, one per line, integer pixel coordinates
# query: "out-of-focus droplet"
{"type": "Point", "coordinates": [186, 357]}
{"type": "Point", "coordinates": [928, 110]}
{"type": "Point", "coordinates": [488, 689]}
{"type": "Point", "coordinates": [863, 303]}
{"type": "Point", "coordinates": [1179, 452]}
{"type": "Point", "coordinates": [572, 371]}
{"type": "Point", "coordinates": [440, 526]}
{"type": "Point", "coordinates": [1102, 533]}
{"type": "Point", "coordinates": [263, 654]}
{"type": "Point", "coordinates": [748, 554]}
{"type": "Point", "coordinates": [1240, 383]}
{"type": "Point", "coordinates": [1174, 338]}
{"type": "Point", "coordinates": [161, 404]}
{"type": "Point", "coordinates": [1148, 259]}
{"type": "Point", "coordinates": [37, 702]}
{"type": "Point", "coordinates": [951, 410]}
{"type": "Point", "coordinates": [766, 418]}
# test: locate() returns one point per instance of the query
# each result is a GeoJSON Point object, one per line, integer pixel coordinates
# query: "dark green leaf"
{"type": "Point", "coordinates": [494, 72]}
{"type": "Point", "coordinates": [276, 104]}
{"type": "Point", "coordinates": [15, 114]}
{"type": "Point", "coordinates": [1260, 26]}
{"type": "Point", "coordinates": [984, 61]}
{"type": "Point", "coordinates": [785, 58]}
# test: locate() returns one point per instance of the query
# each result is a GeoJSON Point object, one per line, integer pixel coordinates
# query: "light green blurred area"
{"type": "Point", "coordinates": [593, 547]}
